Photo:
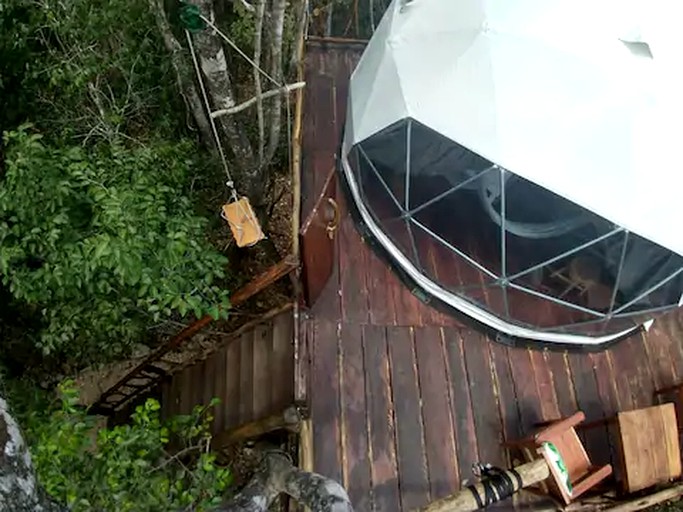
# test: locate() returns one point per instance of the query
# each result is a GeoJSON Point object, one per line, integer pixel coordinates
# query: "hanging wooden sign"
{"type": "Point", "coordinates": [243, 223]}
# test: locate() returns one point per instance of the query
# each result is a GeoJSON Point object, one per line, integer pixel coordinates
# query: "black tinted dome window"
{"type": "Point", "coordinates": [504, 244]}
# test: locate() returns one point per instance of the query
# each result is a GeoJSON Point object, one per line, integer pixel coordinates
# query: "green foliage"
{"type": "Point", "coordinates": [127, 467]}
{"type": "Point", "coordinates": [99, 242]}
{"type": "Point", "coordinates": [87, 68]}
{"type": "Point", "coordinates": [105, 70]}
{"type": "Point", "coordinates": [17, 49]}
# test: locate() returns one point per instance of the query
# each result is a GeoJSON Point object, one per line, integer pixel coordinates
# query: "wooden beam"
{"type": "Point", "coordinates": [264, 280]}
{"type": "Point", "coordinates": [296, 154]}
{"type": "Point", "coordinates": [289, 419]}
{"type": "Point", "coordinates": [463, 501]}
{"type": "Point", "coordinates": [306, 448]}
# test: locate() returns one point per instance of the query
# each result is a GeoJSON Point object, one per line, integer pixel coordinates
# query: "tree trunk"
{"type": "Point", "coordinates": [19, 488]}
{"type": "Point", "coordinates": [183, 74]}
{"type": "Point", "coordinates": [277, 33]}
{"type": "Point", "coordinates": [277, 475]}
{"type": "Point", "coordinates": [219, 84]}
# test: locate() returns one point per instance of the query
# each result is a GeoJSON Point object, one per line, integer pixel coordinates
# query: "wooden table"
{"type": "Point", "coordinates": [650, 451]}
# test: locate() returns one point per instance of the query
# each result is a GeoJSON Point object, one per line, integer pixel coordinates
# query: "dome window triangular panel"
{"type": "Point", "coordinates": [519, 160]}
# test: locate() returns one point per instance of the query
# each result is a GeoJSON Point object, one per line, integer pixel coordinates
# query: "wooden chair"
{"type": "Point", "coordinates": [561, 435]}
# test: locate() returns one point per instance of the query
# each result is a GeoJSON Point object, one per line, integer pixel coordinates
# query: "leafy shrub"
{"type": "Point", "coordinates": [99, 242]}
{"type": "Point", "coordinates": [127, 467]}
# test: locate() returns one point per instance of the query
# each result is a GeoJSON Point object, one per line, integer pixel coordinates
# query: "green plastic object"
{"type": "Point", "coordinates": [554, 457]}
{"type": "Point", "coordinates": [190, 17]}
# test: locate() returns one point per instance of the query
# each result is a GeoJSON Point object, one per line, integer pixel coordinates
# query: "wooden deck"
{"type": "Point", "coordinates": [404, 398]}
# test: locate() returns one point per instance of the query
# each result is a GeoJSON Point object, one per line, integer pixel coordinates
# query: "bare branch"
{"type": "Point", "coordinates": [247, 5]}
{"type": "Point", "coordinates": [246, 104]}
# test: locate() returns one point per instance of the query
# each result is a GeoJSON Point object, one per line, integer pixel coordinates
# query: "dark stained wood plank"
{"type": "Point", "coordinates": [198, 383]}
{"type": "Point", "coordinates": [672, 325]}
{"type": "Point", "coordinates": [588, 400]}
{"type": "Point", "coordinates": [209, 382]}
{"type": "Point", "coordinates": [263, 339]}
{"type": "Point", "coordinates": [605, 380]}
{"type": "Point", "coordinates": [165, 399]}
{"type": "Point", "coordinates": [354, 429]}
{"type": "Point", "coordinates": [282, 361]}
{"type": "Point", "coordinates": [505, 391]}
{"type": "Point", "coordinates": [544, 382]}
{"type": "Point", "coordinates": [219, 377]}
{"type": "Point", "coordinates": [406, 304]}
{"type": "Point", "coordinates": [380, 301]}
{"type": "Point", "coordinates": [441, 316]}
{"type": "Point", "coordinates": [658, 347]}
{"type": "Point", "coordinates": [642, 383]}
{"type": "Point", "coordinates": [231, 361]}
{"type": "Point", "coordinates": [325, 406]}
{"type": "Point", "coordinates": [174, 395]}
{"type": "Point", "coordinates": [354, 293]}
{"type": "Point", "coordinates": [487, 419]}
{"type": "Point", "coordinates": [328, 304]}
{"type": "Point", "coordinates": [246, 403]}
{"type": "Point", "coordinates": [620, 361]}
{"type": "Point", "coordinates": [184, 407]}
{"type": "Point", "coordinates": [461, 405]}
{"type": "Point", "coordinates": [528, 400]}
{"type": "Point", "coordinates": [425, 243]}
{"type": "Point", "coordinates": [412, 462]}
{"type": "Point", "coordinates": [564, 387]}
{"type": "Point", "coordinates": [381, 419]}
{"type": "Point", "coordinates": [607, 392]}
{"type": "Point", "coordinates": [442, 460]}
{"type": "Point", "coordinates": [325, 136]}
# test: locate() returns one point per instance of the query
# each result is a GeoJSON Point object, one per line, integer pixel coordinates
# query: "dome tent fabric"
{"type": "Point", "coordinates": [541, 132]}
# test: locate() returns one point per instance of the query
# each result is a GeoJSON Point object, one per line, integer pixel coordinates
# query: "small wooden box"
{"type": "Point", "coordinates": [243, 223]}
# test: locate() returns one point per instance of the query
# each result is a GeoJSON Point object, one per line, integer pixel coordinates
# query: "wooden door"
{"type": "Point", "coordinates": [318, 234]}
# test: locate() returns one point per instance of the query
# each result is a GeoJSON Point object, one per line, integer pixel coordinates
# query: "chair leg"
{"type": "Point", "coordinates": [591, 481]}
{"type": "Point", "coordinates": [546, 423]}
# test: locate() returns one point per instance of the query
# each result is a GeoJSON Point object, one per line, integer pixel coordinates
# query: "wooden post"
{"type": "Point", "coordinates": [530, 473]}
{"type": "Point", "coordinates": [288, 419]}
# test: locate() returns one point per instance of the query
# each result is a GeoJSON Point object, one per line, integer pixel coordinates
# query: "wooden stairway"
{"type": "Point", "coordinates": [252, 375]}
{"type": "Point", "coordinates": [160, 364]}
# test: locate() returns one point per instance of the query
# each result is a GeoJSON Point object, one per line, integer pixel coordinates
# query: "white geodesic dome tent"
{"type": "Point", "coordinates": [519, 155]}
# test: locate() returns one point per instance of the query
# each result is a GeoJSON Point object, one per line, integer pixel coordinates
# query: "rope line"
{"type": "Point", "coordinates": [193, 16]}
{"type": "Point", "coordinates": [230, 183]}
{"type": "Point", "coordinates": [238, 50]}
{"type": "Point", "coordinates": [207, 105]}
